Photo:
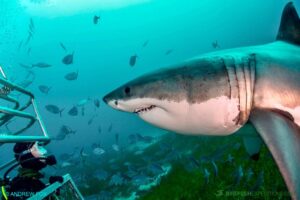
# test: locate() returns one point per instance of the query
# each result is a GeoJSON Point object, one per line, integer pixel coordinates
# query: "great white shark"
{"type": "Point", "coordinates": [218, 93]}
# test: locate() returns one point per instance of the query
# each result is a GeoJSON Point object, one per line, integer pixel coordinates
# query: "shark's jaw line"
{"type": "Point", "coordinates": [138, 106]}
{"type": "Point", "coordinates": [144, 109]}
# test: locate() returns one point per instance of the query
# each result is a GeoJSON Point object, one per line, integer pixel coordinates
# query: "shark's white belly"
{"type": "Point", "coordinates": [216, 116]}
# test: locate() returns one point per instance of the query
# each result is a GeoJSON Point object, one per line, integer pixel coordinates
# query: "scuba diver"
{"type": "Point", "coordinates": [31, 158]}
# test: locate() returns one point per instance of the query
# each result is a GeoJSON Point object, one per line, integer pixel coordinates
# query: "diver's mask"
{"type": "Point", "coordinates": [38, 151]}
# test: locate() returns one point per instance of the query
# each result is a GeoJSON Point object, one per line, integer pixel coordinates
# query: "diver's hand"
{"type": "Point", "coordinates": [53, 179]}
{"type": "Point", "coordinates": [51, 160]}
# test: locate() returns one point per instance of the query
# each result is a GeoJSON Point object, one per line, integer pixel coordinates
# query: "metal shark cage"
{"type": "Point", "coordinates": [22, 105]}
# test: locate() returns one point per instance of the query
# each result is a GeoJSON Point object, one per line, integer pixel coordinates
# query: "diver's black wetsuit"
{"type": "Point", "coordinates": [25, 185]}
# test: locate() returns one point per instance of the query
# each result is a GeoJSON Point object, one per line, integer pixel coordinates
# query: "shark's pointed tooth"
{"type": "Point", "coordinates": [282, 136]}
{"type": "Point", "coordinates": [289, 29]}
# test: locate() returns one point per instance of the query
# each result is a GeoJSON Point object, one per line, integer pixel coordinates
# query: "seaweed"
{"type": "Point", "coordinates": [184, 182]}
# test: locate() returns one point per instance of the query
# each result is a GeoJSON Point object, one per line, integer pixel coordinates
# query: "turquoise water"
{"type": "Point", "coordinates": [101, 57]}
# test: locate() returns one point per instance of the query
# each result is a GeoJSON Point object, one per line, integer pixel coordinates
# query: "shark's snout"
{"type": "Point", "coordinates": [110, 100]}
{"type": "Point", "coordinates": [114, 99]}
{"type": "Point", "coordinates": [107, 98]}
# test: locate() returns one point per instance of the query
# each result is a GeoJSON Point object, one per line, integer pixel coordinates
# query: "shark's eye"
{"type": "Point", "coordinates": [127, 90]}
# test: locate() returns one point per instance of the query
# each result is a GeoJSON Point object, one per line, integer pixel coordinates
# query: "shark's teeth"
{"type": "Point", "coordinates": [140, 110]}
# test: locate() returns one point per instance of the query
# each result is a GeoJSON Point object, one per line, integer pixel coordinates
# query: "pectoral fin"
{"type": "Point", "coordinates": [282, 136]}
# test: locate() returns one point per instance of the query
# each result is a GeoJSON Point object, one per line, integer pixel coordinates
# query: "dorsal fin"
{"type": "Point", "coordinates": [289, 30]}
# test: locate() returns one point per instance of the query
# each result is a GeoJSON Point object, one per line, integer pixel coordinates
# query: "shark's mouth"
{"type": "Point", "coordinates": [144, 109]}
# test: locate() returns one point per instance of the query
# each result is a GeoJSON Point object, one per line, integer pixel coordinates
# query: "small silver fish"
{"type": "Point", "coordinates": [168, 52]}
{"type": "Point", "coordinates": [132, 60]}
{"type": "Point", "coordinates": [98, 151]}
{"type": "Point", "coordinates": [83, 102]}
{"type": "Point", "coordinates": [44, 89]}
{"type": "Point", "coordinates": [156, 168]}
{"type": "Point", "coordinates": [63, 46]}
{"type": "Point", "coordinates": [230, 158]}
{"type": "Point", "coordinates": [68, 59]}
{"type": "Point", "coordinates": [28, 38]}
{"type": "Point", "coordinates": [54, 109]}
{"type": "Point", "coordinates": [31, 25]}
{"type": "Point", "coordinates": [73, 111]}
{"type": "Point", "coordinates": [110, 128]}
{"type": "Point", "coordinates": [65, 164]}
{"type": "Point", "coordinates": [206, 176]}
{"type": "Point", "coordinates": [71, 76]}
{"type": "Point", "coordinates": [20, 45]}
{"type": "Point", "coordinates": [99, 129]}
{"type": "Point", "coordinates": [215, 45]}
{"type": "Point", "coordinates": [258, 183]}
{"type": "Point", "coordinates": [25, 83]}
{"type": "Point", "coordinates": [91, 119]}
{"type": "Point", "coordinates": [115, 147]}
{"type": "Point", "coordinates": [239, 174]}
{"type": "Point", "coordinates": [249, 174]}
{"type": "Point", "coordinates": [64, 132]}
{"type": "Point", "coordinates": [145, 43]}
{"type": "Point", "coordinates": [41, 65]}
{"type": "Point", "coordinates": [97, 103]}
{"type": "Point", "coordinates": [215, 168]}
{"type": "Point", "coordinates": [82, 153]}
{"type": "Point", "coordinates": [96, 19]}
{"type": "Point", "coordinates": [25, 66]}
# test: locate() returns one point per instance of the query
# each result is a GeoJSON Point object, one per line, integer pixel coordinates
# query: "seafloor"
{"type": "Point", "coordinates": [183, 162]}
